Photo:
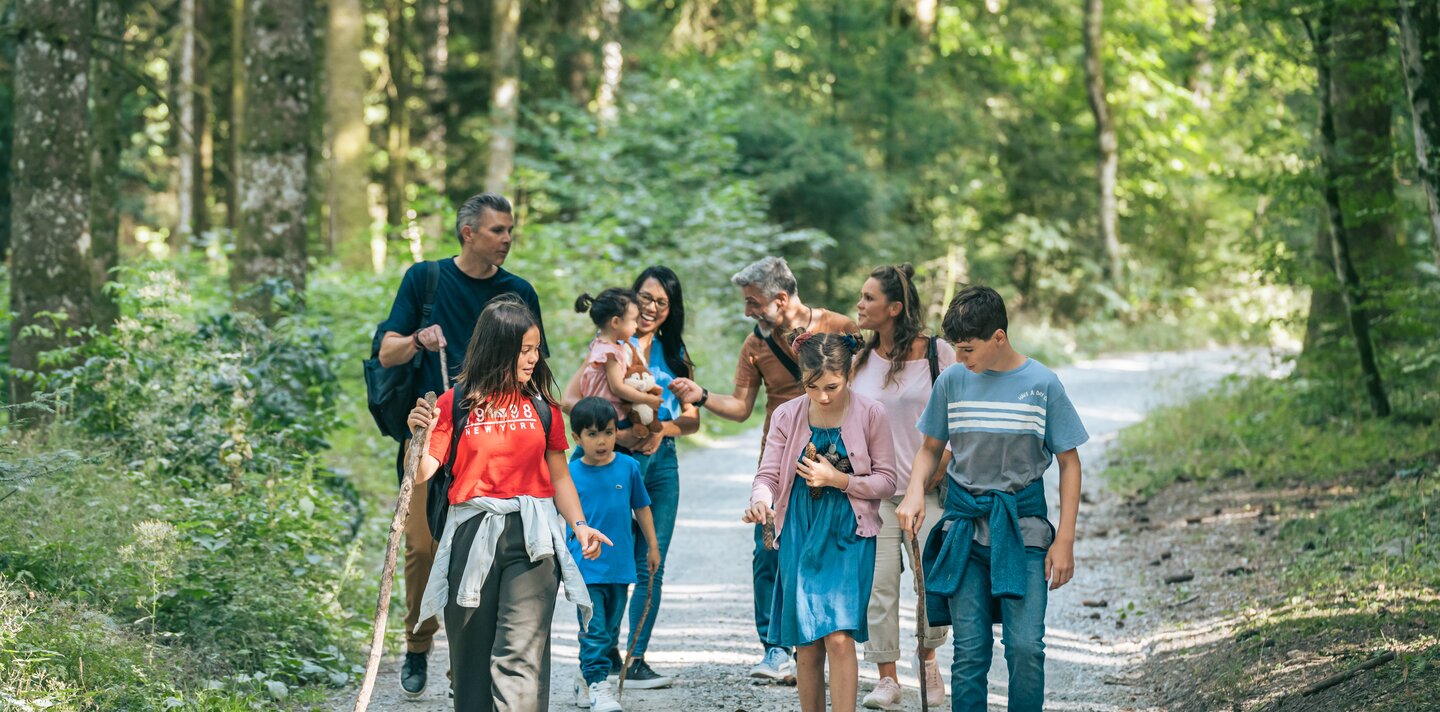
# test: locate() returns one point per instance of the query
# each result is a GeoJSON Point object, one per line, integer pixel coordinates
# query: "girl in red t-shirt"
{"type": "Point", "coordinates": [510, 478]}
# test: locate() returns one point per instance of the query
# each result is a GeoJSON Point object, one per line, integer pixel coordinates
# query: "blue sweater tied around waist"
{"type": "Point", "coordinates": [947, 552]}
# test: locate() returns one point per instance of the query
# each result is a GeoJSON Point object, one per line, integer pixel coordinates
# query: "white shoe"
{"type": "Point", "coordinates": [582, 692]}
{"type": "Point", "coordinates": [777, 666]}
{"type": "Point", "coordinates": [929, 673]}
{"type": "Point", "coordinates": [601, 699]}
{"type": "Point", "coordinates": [885, 696]}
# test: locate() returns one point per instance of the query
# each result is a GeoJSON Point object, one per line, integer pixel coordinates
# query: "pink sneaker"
{"type": "Point", "coordinates": [885, 696]}
{"type": "Point", "coordinates": [934, 686]}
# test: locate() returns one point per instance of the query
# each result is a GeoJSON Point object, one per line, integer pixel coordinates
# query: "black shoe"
{"type": "Point", "coordinates": [413, 674]}
{"type": "Point", "coordinates": [641, 677]}
{"type": "Point", "coordinates": [616, 663]}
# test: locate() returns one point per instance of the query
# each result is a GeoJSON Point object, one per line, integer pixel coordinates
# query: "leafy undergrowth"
{"type": "Point", "coordinates": [1354, 565]}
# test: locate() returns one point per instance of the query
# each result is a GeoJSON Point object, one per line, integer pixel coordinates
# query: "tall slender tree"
{"type": "Point", "coordinates": [108, 87]}
{"type": "Point", "coordinates": [434, 21]}
{"type": "Point", "coordinates": [1107, 141]}
{"type": "Point", "coordinates": [612, 64]}
{"type": "Point", "coordinates": [504, 93]}
{"type": "Point", "coordinates": [185, 130]}
{"type": "Point", "coordinates": [274, 159]}
{"type": "Point", "coordinates": [51, 266]}
{"type": "Point", "coordinates": [1419, 22]}
{"type": "Point", "coordinates": [397, 125]}
{"type": "Point", "coordinates": [345, 108]}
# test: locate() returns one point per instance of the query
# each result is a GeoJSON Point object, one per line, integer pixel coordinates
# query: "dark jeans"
{"type": "Point", "coordinates": [765, 565]}
{"type": "Point", "coordinates": [597, 640]}
{"type": "Point", "coordinates": [1022, 631]}
{"type": "Point", "coordinates": [662, 482]}
{"type": "Point", "coordinates": [500, 650]}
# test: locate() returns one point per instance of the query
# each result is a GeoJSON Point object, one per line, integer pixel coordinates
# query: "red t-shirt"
{"type": "Point", "coordinates": [502, 451]}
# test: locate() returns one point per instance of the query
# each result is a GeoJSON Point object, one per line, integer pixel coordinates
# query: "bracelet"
{"type": "Point", "coordinates": [578, 523]}
{"type": "Point", "coordinates": [415, 337]}
{"type": "Point", "coordinates": [704, 396]}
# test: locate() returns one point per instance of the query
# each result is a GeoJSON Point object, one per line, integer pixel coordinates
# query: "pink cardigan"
{"type": "Point", "coordinates": [871, 448]}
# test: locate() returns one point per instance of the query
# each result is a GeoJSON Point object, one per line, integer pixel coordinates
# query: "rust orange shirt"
{"type": "Point", "coordinates": [758, 364]}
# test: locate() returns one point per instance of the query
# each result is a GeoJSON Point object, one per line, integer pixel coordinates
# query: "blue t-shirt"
{"type": "Point", "coordinates": [1004, 429]}
{"type": "Point", "coordinates": [660, 369]}
{"type": "Point", "coordinates": [459, 299]}
{"type": "Point", "coordinates": [608, 495]}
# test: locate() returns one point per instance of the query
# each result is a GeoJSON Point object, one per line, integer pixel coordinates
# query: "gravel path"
{"type": "Point", "coordinates": [705, 637]}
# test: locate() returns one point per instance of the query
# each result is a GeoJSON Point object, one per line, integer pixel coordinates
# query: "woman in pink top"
{"type": "Point", "coordinates": [828, 461]}
{"type": "Point", "coordinates": [898, 367]}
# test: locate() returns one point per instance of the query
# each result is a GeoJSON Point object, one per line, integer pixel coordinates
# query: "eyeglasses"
{"type": "Point", "coordinates": [648, 301]}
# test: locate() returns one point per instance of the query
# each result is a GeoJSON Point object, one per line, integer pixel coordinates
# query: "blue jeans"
{"type": "Point", "coordinates": [765, 565]}
{"type": "Point", "coordinates": [1023, 633]}
{"type": "Point", "coordinates": [597, 640]}
{"type": "Point", "coordinates": [662, 482]}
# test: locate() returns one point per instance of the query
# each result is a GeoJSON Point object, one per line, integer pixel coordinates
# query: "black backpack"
{"type": "Point", "coordinates": [391, 392]}
{"type": "Point", "coordinates": [437, 493]}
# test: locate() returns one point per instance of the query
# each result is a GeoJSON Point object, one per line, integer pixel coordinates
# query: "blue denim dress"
{"type": "Point", "coordinates": [826, 569]}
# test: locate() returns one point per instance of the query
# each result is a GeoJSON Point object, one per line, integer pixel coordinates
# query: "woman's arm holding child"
{"type": "Point", "coordinates": [1060, 560]}
{"type": "Point", "coordinates": [615, 377]}
{"type": "Point", "coordinates": [647, 527]}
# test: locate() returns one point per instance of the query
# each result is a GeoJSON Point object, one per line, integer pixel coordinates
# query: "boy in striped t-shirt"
{"type": "Point", "coordinates": [1005, 417]}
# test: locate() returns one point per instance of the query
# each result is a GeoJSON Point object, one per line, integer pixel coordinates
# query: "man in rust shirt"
{"type": "Point", "coordinates": [772, 300]}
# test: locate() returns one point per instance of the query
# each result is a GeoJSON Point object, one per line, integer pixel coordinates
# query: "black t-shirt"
{"type": "Point", "coordinates": [459, 299]}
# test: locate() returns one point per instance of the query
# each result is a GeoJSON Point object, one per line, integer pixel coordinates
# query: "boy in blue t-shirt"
{"type": "Point", "coordinates": [610, 487]}
{"type": "Point", "coordinates": [1005, 417]}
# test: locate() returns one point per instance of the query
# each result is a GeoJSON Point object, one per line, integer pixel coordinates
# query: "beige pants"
{"type": "Point", "coordinates": [419, 555]}
{"type": "Point", "coordinates": [884, 610]}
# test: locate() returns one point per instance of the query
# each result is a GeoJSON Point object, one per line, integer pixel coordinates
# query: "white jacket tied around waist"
{"type": "Point", "coordinates": [544, 536]}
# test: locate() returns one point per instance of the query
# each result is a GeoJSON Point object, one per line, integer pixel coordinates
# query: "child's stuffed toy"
{"type": "Point", "coordinates": [641, 416]}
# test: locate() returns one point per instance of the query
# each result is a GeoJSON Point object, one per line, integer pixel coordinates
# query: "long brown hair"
{"type": "Point", "coordinates": [897, 283]}
{"type": "Point", "coordinates": [489, 369]}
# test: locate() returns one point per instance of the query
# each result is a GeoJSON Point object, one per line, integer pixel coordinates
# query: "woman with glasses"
{"type": "Point", "coordinates": [659, 339]}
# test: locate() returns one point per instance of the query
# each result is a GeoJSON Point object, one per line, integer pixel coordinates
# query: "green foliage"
{"type": "Point", "coordinates": [201, 517]}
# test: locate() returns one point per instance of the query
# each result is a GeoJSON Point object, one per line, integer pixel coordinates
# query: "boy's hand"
{"type": "Point", "coordinates": [1060, 563]}
{"type": "Point", "coordinates": [652, 560]}
{"type": "Point", "coordinates": [590, 540]}
{"type": "Point", "coordinates": [757, 513]}
{"type": "Point", "coordinates": [911, 514]}
{"type": "Point", "coordinates": [820, 473]}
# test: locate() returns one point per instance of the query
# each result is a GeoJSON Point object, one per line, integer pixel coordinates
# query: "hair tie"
{"type": "Point", "coordinates": [801, 340]}
{"type": "Point", "coordinates": [851, 342]}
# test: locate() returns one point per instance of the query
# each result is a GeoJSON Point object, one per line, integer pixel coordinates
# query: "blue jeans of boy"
{"type": "Point", "coordinates": [662, 482]}
{"type": "Point", "coordinates": [597, 640]}
{"type": "Point", "coordinates": [1023, 634]}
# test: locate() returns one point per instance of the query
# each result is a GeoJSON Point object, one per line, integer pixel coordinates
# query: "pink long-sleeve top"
{"type": "Point", "coordinates": [868, 442]}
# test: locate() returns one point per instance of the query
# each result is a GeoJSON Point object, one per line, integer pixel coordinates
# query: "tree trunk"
{"type": "Point", "coordinates": [1420, 50]}
{"type": "Point", "coordinates": [435, 33]}
{"type": "Point", "coordinates": [270, 245]}
{"type": "Point", "coordinates": [184, 233]}
{"type": "Point", "coordinates": [237, 111]}
{"type": "Point", "coordinates": [397, 125]}
{"type": "Point", "coordinates": [345, 102]}
{"type": "Point", "coordinates": [107, 91]}
{"type": "Point", "coordinates": [612, 64]}
{"type": "Point", "coordinates": [204, 137]}
{"type": "Point", "coordinates": [1362, 83]}
{"type": "Point", "coordinates": [1107, 163]}
{"type": "Point", "coordinates": [504, 94]}
{"type": "Point", "coordinates": [925, 16]}
{"type": "Point", "coordinates": [52, 264]}
{"type": "Point", "coordinates": [578, 54]}
{"type": "Point", "coordinates": [1352, 288]}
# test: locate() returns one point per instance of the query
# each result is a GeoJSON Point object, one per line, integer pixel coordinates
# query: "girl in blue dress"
{"type": "Point", "coordinates": [829, 460]}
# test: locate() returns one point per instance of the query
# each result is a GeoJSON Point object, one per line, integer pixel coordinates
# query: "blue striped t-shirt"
{"type": "Point", "coordinates": [1004, 429]}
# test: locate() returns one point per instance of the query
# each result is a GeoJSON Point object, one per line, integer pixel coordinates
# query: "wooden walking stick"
{"type": "Point", "coordinates": [392, 548]}
{"type": "Point", "coordinates": [922, 622]}
{"type": "Point", "coordinates": [630, 653]}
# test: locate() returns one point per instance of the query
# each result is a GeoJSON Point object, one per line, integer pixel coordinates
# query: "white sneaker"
{"type": "Point", "coordinates": [929, 673]}
{"type": "Point", "coordinates": [885, 696]}
{"type": "Point", "coordinates": [777, 666]}
{"type": "Point", "coordinates": [582, 692]}
{"type": "Point", "coordinates": [601, 699]}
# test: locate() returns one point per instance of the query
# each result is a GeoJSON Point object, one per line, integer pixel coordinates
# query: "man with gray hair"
{"type": "Point", "coordinates": [773, 301]}
{"type": "Point", "coordinates": [455, 290]}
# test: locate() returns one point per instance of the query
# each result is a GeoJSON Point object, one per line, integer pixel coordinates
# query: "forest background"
{"type": "Point", "coordinates": [206, 207]}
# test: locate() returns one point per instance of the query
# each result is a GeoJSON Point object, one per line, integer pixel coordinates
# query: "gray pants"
{"type": "Point", "coordinates": [500, 651]}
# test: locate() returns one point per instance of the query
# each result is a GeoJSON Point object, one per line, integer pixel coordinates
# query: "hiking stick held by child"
{"type": "Point", "coordinates": [922, 623]}
{"type": "Point", "coordinates": [387, 573]}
